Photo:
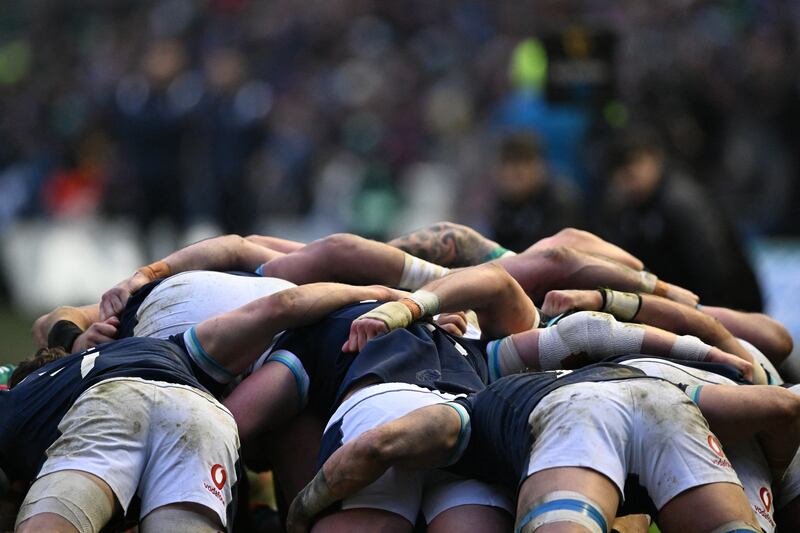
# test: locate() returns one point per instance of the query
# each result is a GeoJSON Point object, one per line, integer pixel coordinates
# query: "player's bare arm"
{"type": "Point", "coordinates": [769, 413]}
{"type": "Point", "coordinates": [586, 337]}
{"type": "Point", "coordinates": [500, 303]}
{"type": "Point", "coordinates": [425, 438]}
{"type": "Point", "coordinates": [228, 252]}
{"type": "Point", "coordinates": [235, 339]}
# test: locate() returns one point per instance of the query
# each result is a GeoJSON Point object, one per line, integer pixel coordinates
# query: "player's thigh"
{"type": "Point", "coordinates": [293, 451]}
{"type": "Point", "coordinates": [181, 518]}
{"type": "Point", "coordinates": [482, 518]}
{"type": "Point", "coordinates": [363, 521]}
{"type": "Point", "coordinates": [706, 508]}
{"type": "Point", "coordinates": [455, 503]}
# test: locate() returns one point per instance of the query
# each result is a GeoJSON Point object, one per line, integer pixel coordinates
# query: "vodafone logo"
{"type": "Point", "coordinates": [715, 446]}
{"type": "Point", "coordinates": [219, 476]}
{"type": "Point", "coordinates": [766, 498]}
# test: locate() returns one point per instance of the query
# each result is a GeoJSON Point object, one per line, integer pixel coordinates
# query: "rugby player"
{"type": "Point", "coordinates": [139, 416]}
{"type": "Point", "coordinates": [568, 442]}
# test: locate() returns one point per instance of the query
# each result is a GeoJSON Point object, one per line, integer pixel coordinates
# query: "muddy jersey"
{"type": "Point", "coordinates": [421, 354]}
{"type": "Point", "coordinates": [500, 444]}
{"type": "Point", "coordinates": [172, 305]}
{"type": "Point", "coordinates": [31, 411]}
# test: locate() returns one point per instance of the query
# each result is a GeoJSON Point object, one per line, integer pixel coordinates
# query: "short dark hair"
{"type": "Point", "coordinates": [31, 364]}
{"type": "Point", "coordinates": [520, 148]}
{"type": "Point", "coordinates": [630, 143]}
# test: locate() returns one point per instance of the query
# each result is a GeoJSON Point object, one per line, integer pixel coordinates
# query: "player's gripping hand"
{"type": "Point", "coordinates": [361, 331]}
{"type": "Point", "coordinates": [563, 301]}
{"type": "Point", "coordinates": [715, 355]}
{"type": "Point", "coordinates": [679, 294]}
{"type": "Point", "coordinates": [453, 323]}
{"type": "Point", "coordinates": [96, 334]}
{"type": "Point", "coordinates": [114, 300]}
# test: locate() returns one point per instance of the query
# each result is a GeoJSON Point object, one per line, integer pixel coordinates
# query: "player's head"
{"type": "Point", "coordinates": [35, 362]}
{"type": "Point", "coordinates": [636, 162]}
{"type": "Point", "coordinates": [522, 168]}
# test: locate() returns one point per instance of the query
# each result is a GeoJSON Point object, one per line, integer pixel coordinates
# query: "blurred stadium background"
{"type": "Point", "coordinates": [128, 128]}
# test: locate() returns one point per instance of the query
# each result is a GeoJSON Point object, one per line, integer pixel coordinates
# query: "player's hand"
{"type": "Point", "coordinates": [361, 331]}
{"type": "Point", "coordinates": [681, 295]}
{"type": "Point", "coordinates": [453, 323]}
{"type": "Point", "coordinates": [562, 301]}
{"type": "Point", "coordinates": [114, 300]}
{"type": "Point", "coordinates": [715, 355]}
{"type": "Point", "coordinates": [96, 334]}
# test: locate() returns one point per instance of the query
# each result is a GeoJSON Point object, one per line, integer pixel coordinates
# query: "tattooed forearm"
{"type": "Point", "coordinates": [447, 244]}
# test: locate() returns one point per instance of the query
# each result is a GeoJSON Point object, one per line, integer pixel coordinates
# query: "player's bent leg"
{"type": "Point", "coordinates": [362, 521]}
{"type": "Point", "coordinates": [66, 501]}
{"type": "Point", "coordinates": [566, 499]}
{"type": "Point", "coordinates": [181, 518]}
{"type": "Point", "coordinates": [472, 518]}
{"type": "Point", "coordinates": [716, 507]}
{"type": "Point", "coordinates": [293, 451]}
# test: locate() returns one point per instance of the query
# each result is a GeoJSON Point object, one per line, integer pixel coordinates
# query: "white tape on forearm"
{"type": "Point", "coordinates": [427, 301]}
{"type": "Point", "coordinates": [689, 348]}
{"type": "Point", "coordinates": [647, 282]}
{"type": "Point", "coordinates": [418, 272]}
{"type": "Point", "coordinates": [597, 335]}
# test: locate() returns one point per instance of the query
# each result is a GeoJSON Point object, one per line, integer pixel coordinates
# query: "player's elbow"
{"type": "Point", "coordinates": [377, 446]}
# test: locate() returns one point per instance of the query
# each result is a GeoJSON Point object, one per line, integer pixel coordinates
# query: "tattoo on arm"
{"type": "Point", "coordinates": [449, 245]}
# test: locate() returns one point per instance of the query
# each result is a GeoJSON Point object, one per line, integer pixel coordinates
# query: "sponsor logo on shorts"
{"type": "Point", "coordinates": [766, 498]}
{"type": "Point", "coordinates": [716, 447]}
{"type": "Point", "coordinates": [218, 476]}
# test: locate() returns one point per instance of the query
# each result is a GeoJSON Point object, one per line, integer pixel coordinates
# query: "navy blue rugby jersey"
{"type": "Point", "coordinates": [128, 320]}
{"type": "Point", "coordinates": [421, 354]}
{"type": "Point", "coordinates": [501, 440]}
{"type": "Point", "coordinates": [31, 411]}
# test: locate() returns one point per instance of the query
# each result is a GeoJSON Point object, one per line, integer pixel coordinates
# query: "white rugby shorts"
{"type": "Point", "coordinates": [164, 442]}
{"type": "Point", "coordinates": [790, 484]}
{"type": "Point", "coordinates": [638, 426]}
{"type": "Point", "coordinates": [400, 491]}
{"type": "Point", "coordinates": [746, 457]}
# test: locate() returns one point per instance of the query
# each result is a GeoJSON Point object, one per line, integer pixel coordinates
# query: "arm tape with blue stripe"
{"type": "Point", "coordinates": [210, 366]}
{"type": "Point", "coordinates": [295, 366]}
{"type": "Point", "coordinates": [464, 433]}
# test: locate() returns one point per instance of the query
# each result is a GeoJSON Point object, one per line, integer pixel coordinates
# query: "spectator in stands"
{"type": "Point", "coordinates": [672, 225]}
{"type": "Point", "coordinates": [531, 203]}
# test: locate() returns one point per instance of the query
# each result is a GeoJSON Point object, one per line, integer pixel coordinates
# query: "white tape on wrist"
{"type": "Point", "coordinates": [689, 348]}
{"type": "Point", "coordinates": [623, 305]}
{"type": "Point", "coordinates": [394, 314]}
{"type": "Point", "coordinates": [648, 282]}
{"type": "Point", "coordinates": [418, 272]}
{"type": "Point", "coordinates": [427, 301]}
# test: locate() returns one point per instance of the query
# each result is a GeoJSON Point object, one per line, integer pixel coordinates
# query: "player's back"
{"type": "Point", "coordinates": [31, 411]}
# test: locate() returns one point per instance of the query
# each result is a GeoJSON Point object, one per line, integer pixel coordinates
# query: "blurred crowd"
{"type": "Point", "coordinates": [369, 116]}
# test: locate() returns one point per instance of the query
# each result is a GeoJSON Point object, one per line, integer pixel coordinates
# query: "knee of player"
{"type": "Point", "coordinates": [788, 406]}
